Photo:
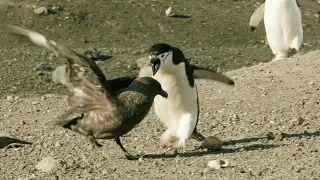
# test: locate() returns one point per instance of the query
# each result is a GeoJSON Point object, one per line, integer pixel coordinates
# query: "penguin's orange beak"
{"type": "Point", "coordinates": [155, 64]}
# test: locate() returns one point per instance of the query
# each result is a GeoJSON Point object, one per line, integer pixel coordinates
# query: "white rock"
{"type": "Point", "coordinates": [47, 165]}
{"type": "Point", "coordinates": [59, 75]}
{"type": "Point", "coordinates": [9, 98]}
{"type": "Point", "coordinates": [41, 11]}
{"type": "Point", "coordinates": [170, 12]}
{"type": "Point", "coordinates": [217, 164]}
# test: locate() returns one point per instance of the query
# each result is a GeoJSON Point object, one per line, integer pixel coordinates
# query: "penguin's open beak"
{"type": "Point", "coordinates": [164, 94]}
{"type": "Point", "coordinates": [155, 64]}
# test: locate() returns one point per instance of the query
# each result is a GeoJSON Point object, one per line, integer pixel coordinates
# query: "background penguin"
{"type": "Point", "coordinates": [180, 112]}
{"type": "Point", "coordinates": [283, 25]}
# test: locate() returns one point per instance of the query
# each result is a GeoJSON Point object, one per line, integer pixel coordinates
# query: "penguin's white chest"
{"type": "Point", "coordinates": [282, 19]}
{"type": "Point", "coordinates": [182, 99]}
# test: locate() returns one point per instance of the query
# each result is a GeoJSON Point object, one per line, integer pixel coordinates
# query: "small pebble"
{"type": "Point", "coordinates": [211, 143]}
{"type": "Point", "coordinates": [278, 137]}
{"type": "Point", "coordinates": [10, 98]}
{"type": "Point", "coordinates": [300, 120]}
{"type": "Point", "coordinates": [217, 164]}
{"type": "Point", "coordinates": [41, 11]}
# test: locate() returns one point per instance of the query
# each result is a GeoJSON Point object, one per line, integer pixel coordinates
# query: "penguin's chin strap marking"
{"type": "Point", "coordinates": [166, 57]}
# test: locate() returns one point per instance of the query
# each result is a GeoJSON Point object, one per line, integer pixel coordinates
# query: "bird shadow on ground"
{"type": "Point", "coordinates": [203, 153]}
{"type": "Point", "coordinates": [9, 142]}
{"type": "Point", "coordinates": [238, 149]}
{"type": "Point", "coordinates": [284, 135]}
{"type": "Point", "coordinates": [301, 135]}
{"type": "Point", "coordinates": [104, 57]}
{"type": "Point", "coordinates": [181, 16]}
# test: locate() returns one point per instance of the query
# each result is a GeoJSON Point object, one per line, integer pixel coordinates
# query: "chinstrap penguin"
{"type": "Point", "coordinates": [180, 111]}
{"type": "Point", "coordinates": [282, 19]}
{"type": "Point", "coordinates": [107, 113]}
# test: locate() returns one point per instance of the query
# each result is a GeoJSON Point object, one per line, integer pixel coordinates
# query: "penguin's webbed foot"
{"type": "Point", "coordinates": [167, 138]}
{"type": "Point", "coordinates": [181, 145]}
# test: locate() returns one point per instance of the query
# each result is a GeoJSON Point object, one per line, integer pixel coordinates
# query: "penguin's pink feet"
{"type": "Point", "coordinates": [166, 139]}
{"type": "Point", "coordinates": [181, 145]}
{"type": "Point", "coordinates": [280, 56]}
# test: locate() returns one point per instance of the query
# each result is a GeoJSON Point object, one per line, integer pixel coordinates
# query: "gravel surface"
{"type": "Point", "coordinates": [217, 36]}
{"type": "Point", "coordinates": [269, 123]}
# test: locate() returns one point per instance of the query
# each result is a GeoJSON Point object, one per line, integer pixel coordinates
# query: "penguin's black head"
{"type": "Point", "coordinates": [158, 54]}
{"type": "Point", "coordinates": [163, 56]}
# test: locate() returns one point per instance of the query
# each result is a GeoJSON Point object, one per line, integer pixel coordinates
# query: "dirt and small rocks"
{"type": "Point", "coordinates": [240, 116]}
{"type": "Point", "coordinates": [269, 97]}
{"type": "Point", "coordinates": [44, 67]}
{"type": "Point", "coordinates": [50, 9]}
{"type": "Point", "coordinates": [142, 62]}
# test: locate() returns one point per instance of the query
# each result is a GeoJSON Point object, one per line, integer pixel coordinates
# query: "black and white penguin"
{"type": "Point", "coordinates": [282, 20]}
{"type": "Point", "coordinates": [258, 14]}
{"type": "Point", "coordinates": [180, 112]}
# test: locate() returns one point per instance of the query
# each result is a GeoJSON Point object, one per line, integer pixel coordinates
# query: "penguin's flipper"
{"type": "Point", "coordinates": [202, 73]}
{"type": "Point", "coordinates": [256, 17]}
{"type": "Point", "coordinates": [310, 4]}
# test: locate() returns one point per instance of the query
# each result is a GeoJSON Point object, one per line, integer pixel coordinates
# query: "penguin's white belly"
{"type": "Point", "coordinates": [283, 26]}
{"type": "Point", "coordinates": [181, 103]}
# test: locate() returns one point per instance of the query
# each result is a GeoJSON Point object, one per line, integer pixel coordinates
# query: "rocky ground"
{"type": "Point", "coordinates": [217, 35]}
{"type": "Point", "coordinates": [268, 121]}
